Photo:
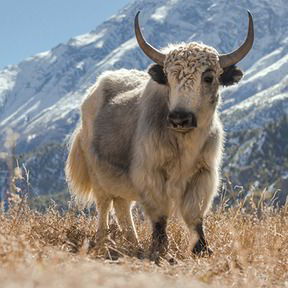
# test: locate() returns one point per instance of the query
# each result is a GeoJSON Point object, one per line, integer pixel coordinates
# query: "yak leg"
{"type": "Point", "coordinates": [124, 219]}
{"type": "Point", "coordinates": [103, 207]}
{"type": "Point", "coordinates": [201, 245]}
{"type": "Point", "coordinates": [157, 208]}
{"type": "Point", "coordinates": [160, 242]}
{"type": "Point", "coordinates": [157, 213]}
{"type": "Point", "coordinates": [194, 204]}
{"type": "Point", "coordinates": [159, 238]}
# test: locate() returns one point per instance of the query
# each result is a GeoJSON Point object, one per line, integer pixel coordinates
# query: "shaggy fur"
{"type": "Point", "coordinates": [123, 150]}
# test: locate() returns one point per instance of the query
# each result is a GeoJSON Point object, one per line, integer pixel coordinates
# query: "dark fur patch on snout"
{"type": "Point", "coordinates": [231, 75]}
{"type": "Point", "coordinates": [157, 74]}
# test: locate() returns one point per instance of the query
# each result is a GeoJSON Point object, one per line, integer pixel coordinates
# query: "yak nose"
{"type": "Point", "coordinates": [182, 120]}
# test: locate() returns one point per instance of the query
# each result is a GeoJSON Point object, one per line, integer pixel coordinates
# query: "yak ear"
{"type": "Point", "coordinates": [157, 74]}
{"type": "Point", "coordinates": [231, 75]}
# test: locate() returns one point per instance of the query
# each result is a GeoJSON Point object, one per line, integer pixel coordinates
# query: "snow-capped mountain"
{"type": "Point", "coordinates": [40, 97]}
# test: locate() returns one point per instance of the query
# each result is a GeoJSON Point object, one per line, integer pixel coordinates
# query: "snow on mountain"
{"type": "Point", "coordinates": [40, 97]}
{"type": "Point", "coordinates": [42, 93]}
{"type": "Point", "coordinates": [262, 95]}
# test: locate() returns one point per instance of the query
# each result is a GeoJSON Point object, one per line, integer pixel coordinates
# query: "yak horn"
{"type": "Point", "coordinates": [150, 51]}
{"type": "Point", "coordinates": [237, 55]}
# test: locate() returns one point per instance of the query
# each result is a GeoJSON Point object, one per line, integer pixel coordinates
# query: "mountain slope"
{"type": "Point", "coordinates": [40, 97]}
{"type": "Point", "coordinates": [44, 91]}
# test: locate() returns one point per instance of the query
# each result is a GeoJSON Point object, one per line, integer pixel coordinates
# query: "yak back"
{"type": "Point", "coordinates": [117, 119]}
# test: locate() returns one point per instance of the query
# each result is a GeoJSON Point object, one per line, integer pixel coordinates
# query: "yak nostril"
{"type": "Point", "coordinates": [179, 122]}
{"type": "Point", "coordinates": [182, 119]}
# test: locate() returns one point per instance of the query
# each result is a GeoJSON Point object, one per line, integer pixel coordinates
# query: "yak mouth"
{"type": "Point", "coordinates": [180, 129]}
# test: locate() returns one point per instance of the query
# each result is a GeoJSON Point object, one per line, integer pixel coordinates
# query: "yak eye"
{"type": "Point", "coordinates": [208, 79]}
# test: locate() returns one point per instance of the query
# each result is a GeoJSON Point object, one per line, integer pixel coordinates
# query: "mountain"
{"type": "Point", "coordinates": [40, 97]}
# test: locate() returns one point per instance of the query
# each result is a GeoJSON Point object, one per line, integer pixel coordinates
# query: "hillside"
{"type": "Point", "coordinates": [51, 250]}
{"type": "Point", "coordinates": [40, 97]}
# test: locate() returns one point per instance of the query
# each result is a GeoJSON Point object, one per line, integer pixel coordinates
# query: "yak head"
{"type": "Point", "coordinates": [193, 72]}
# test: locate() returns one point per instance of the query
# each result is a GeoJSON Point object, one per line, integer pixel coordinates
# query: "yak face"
{"type": "Point", "coordinates": [193, 75]}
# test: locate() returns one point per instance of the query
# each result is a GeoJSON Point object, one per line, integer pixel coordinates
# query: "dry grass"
{"type": "Point", "coordinates": [50, 250]}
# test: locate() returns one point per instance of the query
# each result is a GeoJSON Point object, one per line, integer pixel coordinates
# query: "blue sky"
{"type": "Point", "coordinates": [28, 27]}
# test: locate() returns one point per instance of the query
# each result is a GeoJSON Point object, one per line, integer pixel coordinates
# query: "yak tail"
{"type": "Point", "coordinates": [76, 170]}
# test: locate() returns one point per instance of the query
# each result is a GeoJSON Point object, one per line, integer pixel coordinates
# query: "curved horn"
{"type": "Point", "coordinates": [237, 55]}
{"type": "Point", "coordinates": [150, 51]}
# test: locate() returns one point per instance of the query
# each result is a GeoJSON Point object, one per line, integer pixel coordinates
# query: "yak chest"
{"type": "Point", "coordinates": [178, 171]}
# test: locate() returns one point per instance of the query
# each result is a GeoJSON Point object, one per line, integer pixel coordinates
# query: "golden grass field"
{"type": "Point", "coordinates": [51, 250]}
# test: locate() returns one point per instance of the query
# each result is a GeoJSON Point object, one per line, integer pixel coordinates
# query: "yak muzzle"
{"type": "Point", "coordinates": [181, 120]}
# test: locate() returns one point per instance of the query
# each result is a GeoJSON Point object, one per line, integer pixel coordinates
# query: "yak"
{"type": "Point", "coordinates": [155, 138]}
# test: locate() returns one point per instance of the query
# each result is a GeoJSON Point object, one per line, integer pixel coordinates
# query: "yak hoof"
{"type": "Point", "coordinates": [112, 254]}
{"type": "Point", "coordinates": [170, 259]}
{"type": "Point", "coordinates": [201, 250]}
{"type": "Point", "coordinates": [156, 258]}
{"type": "Point", "coordinates": [140, 254]}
